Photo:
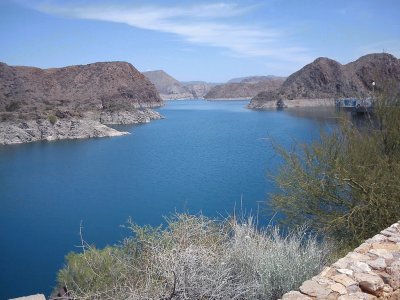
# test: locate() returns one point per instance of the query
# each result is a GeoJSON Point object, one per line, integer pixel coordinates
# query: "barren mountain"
{"type": "Point", "coordinates": [325, 78]}
{"type": "Point", "coordinates": [32, 98]}
{"type": "Point", "coordinates": [168, 87]}
{"type": "Point", "coordinates": [254, 79]}
{"type": "Point", "coordinates": [247, 88]}
{"type": "Point", "coordinates": [198, 88]}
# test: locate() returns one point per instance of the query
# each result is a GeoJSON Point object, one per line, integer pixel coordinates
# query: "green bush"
{"type": "Point", "coordinates": [52, 119]}
{"type": "Point", "coordinates": [94, 270]}
{"type": "Point", "coordinates": [347, 184]}
{"type": "Point", "coordinates": [196, 258]}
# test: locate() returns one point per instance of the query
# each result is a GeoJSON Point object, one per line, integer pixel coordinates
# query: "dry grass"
{"type": "Point", "coordinates": [195, 257]}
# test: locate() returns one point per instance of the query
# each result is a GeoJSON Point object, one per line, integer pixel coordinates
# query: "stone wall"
{"type": "Point", "coordinates": [371, 271]}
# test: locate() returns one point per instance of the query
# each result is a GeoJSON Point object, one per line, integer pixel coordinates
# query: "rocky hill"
{"type": "Point", "coordinates": [325, 79]}
{"type": "Point", "coordinates": [72, 102]}
{"type": "Point", "coordinates": [247, 87]}
{"type": "Point", "coordinates": [199, 88]}
{"type": "Point", "coordinates": [168, 87]}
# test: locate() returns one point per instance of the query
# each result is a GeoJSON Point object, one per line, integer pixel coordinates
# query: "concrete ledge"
{"type": "Point", "coordinates": [371, 271]}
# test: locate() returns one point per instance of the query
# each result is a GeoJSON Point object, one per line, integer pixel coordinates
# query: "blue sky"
{"type": "Point", "coordinates": [197, 40]}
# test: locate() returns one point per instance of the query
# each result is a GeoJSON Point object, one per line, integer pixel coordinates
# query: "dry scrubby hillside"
{"type": "Point", "coordinates": [70, 102]}
{"type": "Point", "coordinates": [97, 86]}
{"type": "Point", "coordinates": [325, 78]}
{"type": "Point", "coordinates": [247, 87]}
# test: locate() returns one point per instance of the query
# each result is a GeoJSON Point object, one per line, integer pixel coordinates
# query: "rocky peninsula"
{"type": "Point", "coordinates": [323, 80]}
{"type": "Point", "coordinates": [73, 102]}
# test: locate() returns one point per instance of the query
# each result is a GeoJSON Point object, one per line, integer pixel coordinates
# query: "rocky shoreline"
{"type": "Point", "coordinates": [91, 125]}
{"type": "Point", "coordinates": [73, 102]}
{"type": "Point", "coordinates": [126, 117]}
{"type": "Point", "coordinates": [325, 78]}
{"type": "Point", "coordinates": [261, 105]}
{"type": "Point", "coordinates": [227, 99]}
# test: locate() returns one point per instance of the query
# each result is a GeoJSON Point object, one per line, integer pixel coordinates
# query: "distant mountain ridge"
{"type": "Point", "coordinates": [236, 88]}
{"type": "Point", "coordinates": [325, 78]}
{"type": "Point", "coordinates": [254, 79]}
{"type": "Point", "coordinates": [172, 89]}
{"type": "Point", "coordinates": [199, 88]}
{"type": "Point", "coordinates": [245, 87]}
{"type": "Point", "coordinates": [73, 101]}
{"type": "Point", "coordinates": [167, 86]}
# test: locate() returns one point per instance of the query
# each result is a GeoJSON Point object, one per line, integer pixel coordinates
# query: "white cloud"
{"type": "Point", "coordinates": [209, 24]}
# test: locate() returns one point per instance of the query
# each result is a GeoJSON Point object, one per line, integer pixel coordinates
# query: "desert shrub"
{"type": "Point", "coordinates": [271, 262]}
{"type": "Point", "coordinates": [346, 184]}
{"type": "Point", "coordinates": [195, 257]}
{"type": "Point", "coordinates": [52, 119]}
{"type": "Point", "coordinates": [95, 270]}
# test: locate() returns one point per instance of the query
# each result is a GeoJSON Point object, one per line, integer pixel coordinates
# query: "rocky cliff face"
{"type": "Point", "coordinates": [327, 79]}
{"type": "Point", "coordinates": [40, 104]}
{"type": "Point", "coordinates": [247, 87]}
{"type": "Point", "coordinates": [41, 129]}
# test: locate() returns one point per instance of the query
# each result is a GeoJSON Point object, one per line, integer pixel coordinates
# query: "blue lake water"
{"type": "Point", "coordinates": [204, 156]}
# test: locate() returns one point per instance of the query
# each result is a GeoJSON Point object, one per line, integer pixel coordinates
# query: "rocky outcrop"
{"type": "Point", "coordinates": [72, 102]}
{"type": "Point", "coordinates": [327, 79]}
{"type": "Point", "coordinates": [168, 87]}
{"type": "Point", "coordinates": [17, 132]}
{"type": "Point", "coordinates": [247, 88]}
{"type": "Point", "coordinates": [371, 271]}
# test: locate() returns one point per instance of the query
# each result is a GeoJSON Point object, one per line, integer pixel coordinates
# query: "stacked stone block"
{"type": "Point", "coordinates": [371, 271]}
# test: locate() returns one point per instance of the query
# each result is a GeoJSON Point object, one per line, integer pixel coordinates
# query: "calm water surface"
{"type": "Point", "coordinates": [204, 156]}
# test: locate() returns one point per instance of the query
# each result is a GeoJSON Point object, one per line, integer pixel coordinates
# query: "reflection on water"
{"type": "Point", "coordinates": [330, 115]}
{"type": "Point", "coordinates": [320, 114]}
